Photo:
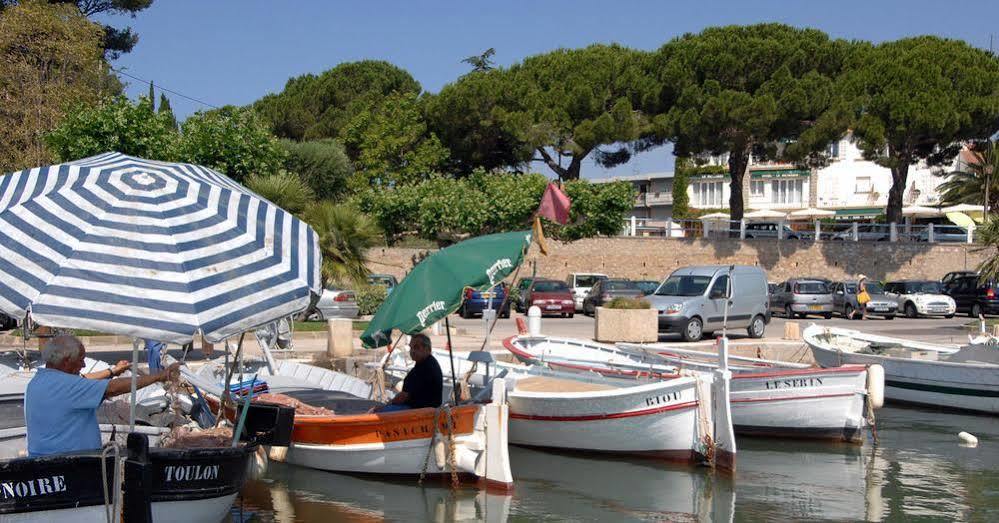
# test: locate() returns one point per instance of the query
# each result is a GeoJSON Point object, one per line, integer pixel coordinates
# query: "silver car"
{"type": "Point", "coordinates": [335, 303]}
{"type": "Point", "coordinates": [692, 300]}
{"type": "Point", "coordinates": [846, 304]}
{"type": "Point", "coordinates": [800, 297]}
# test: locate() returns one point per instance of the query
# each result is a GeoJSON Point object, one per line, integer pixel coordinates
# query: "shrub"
{"type": "Point", "coordinates": [369, 298]}
{"type": "Point", "coordinates": [628, 303]}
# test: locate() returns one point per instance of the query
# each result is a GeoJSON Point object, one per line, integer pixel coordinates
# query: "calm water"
{"type": "Point", "coordinates": [917, 473]}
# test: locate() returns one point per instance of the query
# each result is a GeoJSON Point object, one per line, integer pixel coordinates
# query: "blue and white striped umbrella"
{"type": "Point", "coordinates": [149, 249]}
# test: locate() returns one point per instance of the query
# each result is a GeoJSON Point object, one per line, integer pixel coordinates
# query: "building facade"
{"type": "Point", "coordinates": [849, 185]}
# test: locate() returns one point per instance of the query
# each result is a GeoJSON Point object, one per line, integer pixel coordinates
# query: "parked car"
{"type": "Point", "coordinates": [606, 290]}
{"type": "Point", "coordinates": [692, 300]}
{"type": "Point", "coordinates": [7, 322]}
{"type": "Point", "coordinates": [385, 280]}
{"type": "Point", "coordinates": [956, 274]}
{"type": "Point", "coordinates": [921, 298]}
{"type": "Point", "coordinates": [772, 287]}
{"type": "Point", "coordinates": [335, 303]}
{"type": "Point", "coordinates": [769, 230]}
{"type": "Point", "coordinates": [581, 283]}
{"type": "Point", "coordinates": [973, 296]}
{"type": "Point", "coordinates": [871, 232]}
{"type": "Point", "coordinates": [846, 304]}
{"type": "Point", "coordinates": [523, 294]}
{"type": "Point", "coordinates": [943, 233]}
{"type": "Point", "coordinates": [553, 297]}
{"type": "Point", "coordinates": [799, 297]}
{"type": "Point", "coordinates": [477, 301]}
{"type": "Point", "coordinates": [647, 286]}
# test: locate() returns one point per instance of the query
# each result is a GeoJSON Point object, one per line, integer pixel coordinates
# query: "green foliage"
{"type": "Point", "coordinates": [285, 189]}
{"type": "Point", "coordinates": [369, 298]}
{"type": "Point", "coordinates": [322, 164]}
{"type": "Point", "coordinates": [50, 60]}
{"type": "Point", "coordinates": [979, 178]}
{"type": "Point", "coordinates": [114, 41]}
{"type": "Point", "coordinates": [392, 144]}
{"type": "Point", "coordinates": [313, 107]}
{"type": "Point", "coordinates": [345, 235]}
{"type": "Point", "coordinates": [745, 90]}
{"type": "Point", "coordinates": [988, 237]}
{"type": "Point", "coordinates": [622, 302]}
{"type": "Point", "coordinates": [231, 140]}
{"type": "Point", "coordinates": [481, 63]}
{"type": "Point", "coordinates": [916, 99]}
{"type": "Point", "coordinates": [115, 124]}
{"type": "Point", "coordinates": [167, 111]}
{"type": "Point", "coordinates": [597, 209]}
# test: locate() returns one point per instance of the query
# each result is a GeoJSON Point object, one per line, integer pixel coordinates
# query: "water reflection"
{"type": "Point", "coordinates": [917, 472]}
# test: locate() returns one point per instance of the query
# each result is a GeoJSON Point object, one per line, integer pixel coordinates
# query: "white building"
{"type": "Point", "coordinates": [849, 185]}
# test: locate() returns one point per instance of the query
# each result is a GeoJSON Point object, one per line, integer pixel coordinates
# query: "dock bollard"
{"type": "Point", "coordinates": [534, 321]}
{"type": "Point", "coordinates": [339, 337]}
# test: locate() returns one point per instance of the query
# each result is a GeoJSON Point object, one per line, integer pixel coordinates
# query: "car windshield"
{"type": "Point", "coordinates": [811, 287]}
{"type": "Point", "coordinates": [551, 286]}
{"type": "Point", "coordinates": [648, 286]}
{"type": "Point", "coordinates": [684, 286]}
{"type": "Point", "coordinates": [621, 285]}
{"type": "Point", "coordinates": [872, 288]}
{"type": "Point", "coordinates": [923, 287]}
{"type": "Point", "coordinates": [588, 280]}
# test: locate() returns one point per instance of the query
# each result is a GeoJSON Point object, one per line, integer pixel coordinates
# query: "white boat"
{"type": "Point", "coordinates": [767, 398]}
{"type": "Point", "coordinates": [390, 443]}
{"type": "Point", "coordinates": [549, 409]}
{"type": "Point", "coordinates": [916, 373]}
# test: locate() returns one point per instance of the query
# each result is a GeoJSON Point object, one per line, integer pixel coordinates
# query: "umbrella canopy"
{"type": "Point", "coordinates": [918, 211]}
{"type": "Point", "coordinates": [811, 212]}
{"type": "Point", "coordinates": [966, 208]}
{"type": "Point", "coordinates": [716, 216]}
{"type": "Point", "coordinates": [149, 249]}
{"type": "Point", "coordinates": [436, 285]}
{"type": "Point", "coordinates": [764, 214]}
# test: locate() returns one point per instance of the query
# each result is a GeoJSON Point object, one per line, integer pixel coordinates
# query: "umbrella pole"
{"type": "Point", "coordinates": [135, 369]}
{"type": "Point", "coordinates": [450, 354]}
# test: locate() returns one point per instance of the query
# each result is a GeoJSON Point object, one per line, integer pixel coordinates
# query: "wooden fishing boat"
{"type": "Point", "coordinates": [410, 442]}
{"type": "Point", "coordinates": [594, 413]}
{"type": "Point", "coordinates": [767, 398]}
{"type": "Point", "coordinates": [917, 373]}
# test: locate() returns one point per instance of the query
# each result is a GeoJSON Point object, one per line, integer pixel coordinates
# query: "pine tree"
{"type": "Point", "coordinates": [165, 109]}
{"type": "Point", "coordinates": [152, 96]}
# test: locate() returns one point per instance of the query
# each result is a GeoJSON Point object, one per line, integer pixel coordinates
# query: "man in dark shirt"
{"type": "Point", "coordinates": [424, 384]}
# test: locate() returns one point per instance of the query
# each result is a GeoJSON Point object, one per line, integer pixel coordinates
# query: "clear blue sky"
{"type": "Point", "coordinates": [234, 52]}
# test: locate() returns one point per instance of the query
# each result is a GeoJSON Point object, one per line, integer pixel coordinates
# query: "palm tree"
{"type": "Point", "coordinates": [345, 235]}
{"type": "Point", "coordinates": [988, 237]}
{"type": "Point", "coordinates": [976, 183]}
{"type": "Point", "coordinates": [286, 190]}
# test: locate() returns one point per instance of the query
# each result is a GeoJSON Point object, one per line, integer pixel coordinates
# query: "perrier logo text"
{"type": "Point", "coordinates": [503, 263]}
{"type": "Point", "coordinates": [428, 310]}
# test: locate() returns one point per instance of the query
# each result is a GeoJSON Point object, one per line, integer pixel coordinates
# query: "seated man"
{"type": "Point", "coordinates": [424, 384]}
{"type": "Point", "coordinates": [60, 405]}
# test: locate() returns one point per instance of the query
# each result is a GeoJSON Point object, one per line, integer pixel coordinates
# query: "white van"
{"type": "Point", "coordinates": [580, 284]}
{"type": "Point", "coordinates": [691, 301]}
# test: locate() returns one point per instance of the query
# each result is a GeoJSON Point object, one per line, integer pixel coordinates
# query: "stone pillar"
{"type": "Point", "coordinates": [339, 337]}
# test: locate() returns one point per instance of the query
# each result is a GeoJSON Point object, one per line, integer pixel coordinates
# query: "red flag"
{"type": "Point", "coordinates": [555, 205]}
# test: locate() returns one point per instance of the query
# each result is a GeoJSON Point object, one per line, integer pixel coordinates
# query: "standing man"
{"type": "Point", "coordinates": [60, 405]}
{"type": "Point", "coordinates": [424, 384]}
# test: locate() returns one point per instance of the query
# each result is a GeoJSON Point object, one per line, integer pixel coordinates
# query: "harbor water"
{"type": "Point", "coordinates": [917, 472]}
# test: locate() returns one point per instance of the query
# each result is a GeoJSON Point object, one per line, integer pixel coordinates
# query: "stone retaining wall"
{"type": "Point", "coordinates": [654, 258]}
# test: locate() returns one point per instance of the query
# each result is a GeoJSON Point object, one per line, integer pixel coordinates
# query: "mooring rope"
{"type": "Point", "coordinates": [110, 503]}
{"type": "Point", "coordinates": [451, 460]}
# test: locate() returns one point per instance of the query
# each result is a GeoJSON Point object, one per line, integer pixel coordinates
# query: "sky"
{"type": "Point", "coordinates": [223, 52]}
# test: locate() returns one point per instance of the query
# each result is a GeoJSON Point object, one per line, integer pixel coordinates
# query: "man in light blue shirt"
{"type": "Point", "coordinates": [60, 405]}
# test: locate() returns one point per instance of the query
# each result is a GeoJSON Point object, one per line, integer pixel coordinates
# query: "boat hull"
{"type": "Point", "coordinates": [658, 419]}
{"type": "Point", "coordinates": [926, 383]}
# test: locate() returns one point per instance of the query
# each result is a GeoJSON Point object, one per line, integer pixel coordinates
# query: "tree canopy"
{"type": "Point", "coordinates": [915, 99]}
{"type": "Point", "coordinates": [746, 90]}
{"type": "Point", "coordinates": [231, 140]}
{"type": "Point", "coordinates": [323, 166]}
{"type": "Point", "coordinates": [50, 59]}
{"type": "Point", "coordinates": [115, 124]}
{"type": "Point", "coordinates": [115, 41]}
{"type": "Point", "coordinates": [313, 107]}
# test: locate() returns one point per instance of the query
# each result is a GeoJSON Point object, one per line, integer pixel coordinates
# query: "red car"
{"type": "Point", "coordinates": [553, 297]}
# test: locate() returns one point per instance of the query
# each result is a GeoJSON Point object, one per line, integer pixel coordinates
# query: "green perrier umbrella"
{"type": "Point", "coordinates": [436, 285]}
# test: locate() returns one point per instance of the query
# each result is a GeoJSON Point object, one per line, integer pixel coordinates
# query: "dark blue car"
{"type": "Point", "coordinates": [478, 301]}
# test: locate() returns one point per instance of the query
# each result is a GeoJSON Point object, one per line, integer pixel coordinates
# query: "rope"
{"type": "Point", "coordinates": [111, 510]}
{"type": "Point", "coordinates": [451, 460]}
{"type": "Point", "coordinates": [871, 420]}
{"type": "Point", "coordinates": [704, 425]}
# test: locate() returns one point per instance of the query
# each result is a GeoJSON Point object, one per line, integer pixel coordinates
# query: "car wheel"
{"type": "Point", "coordinates": [827, 315]}
{"type": "Point", "coordinates": [848, 312]}
{"type": "Point", "coordinates": [694, 329]}
{"type": "Point", "coordinates": [949, 316]}
{"type": "Point", "coordinates": [757, 327]}
{"type": "Point", "coordinates": [976, 311]}
{"type": "Point", "coordinates": [505, 314]}
{"type": "Point", "coordinates": [319, 315]}
{"type": "Point", "coordinates": [910, 310]}
{"type": "Point", "coordinates": [788, 313]}
{"type": "Point", "coordinates": [890, 317]}
{"type": "Point", "coordinates": [571, 315]}
{"type": "Point", "coordinates": [749, 236]}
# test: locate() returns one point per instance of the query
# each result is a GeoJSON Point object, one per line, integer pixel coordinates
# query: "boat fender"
{"type": "Point", "coordinates": [876, 385]}
{"type": "Point", "coordinates": [278, 454]}
{"type": "Point", "coordinates": [258, 465]}
{"type": "Point", "coordinates": [439, 453]}
{"type": "Point", "coordinates": [967, 440]}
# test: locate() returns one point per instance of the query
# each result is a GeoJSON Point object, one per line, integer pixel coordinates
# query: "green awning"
{"type": "Point", "coordinates": [867, 211]}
